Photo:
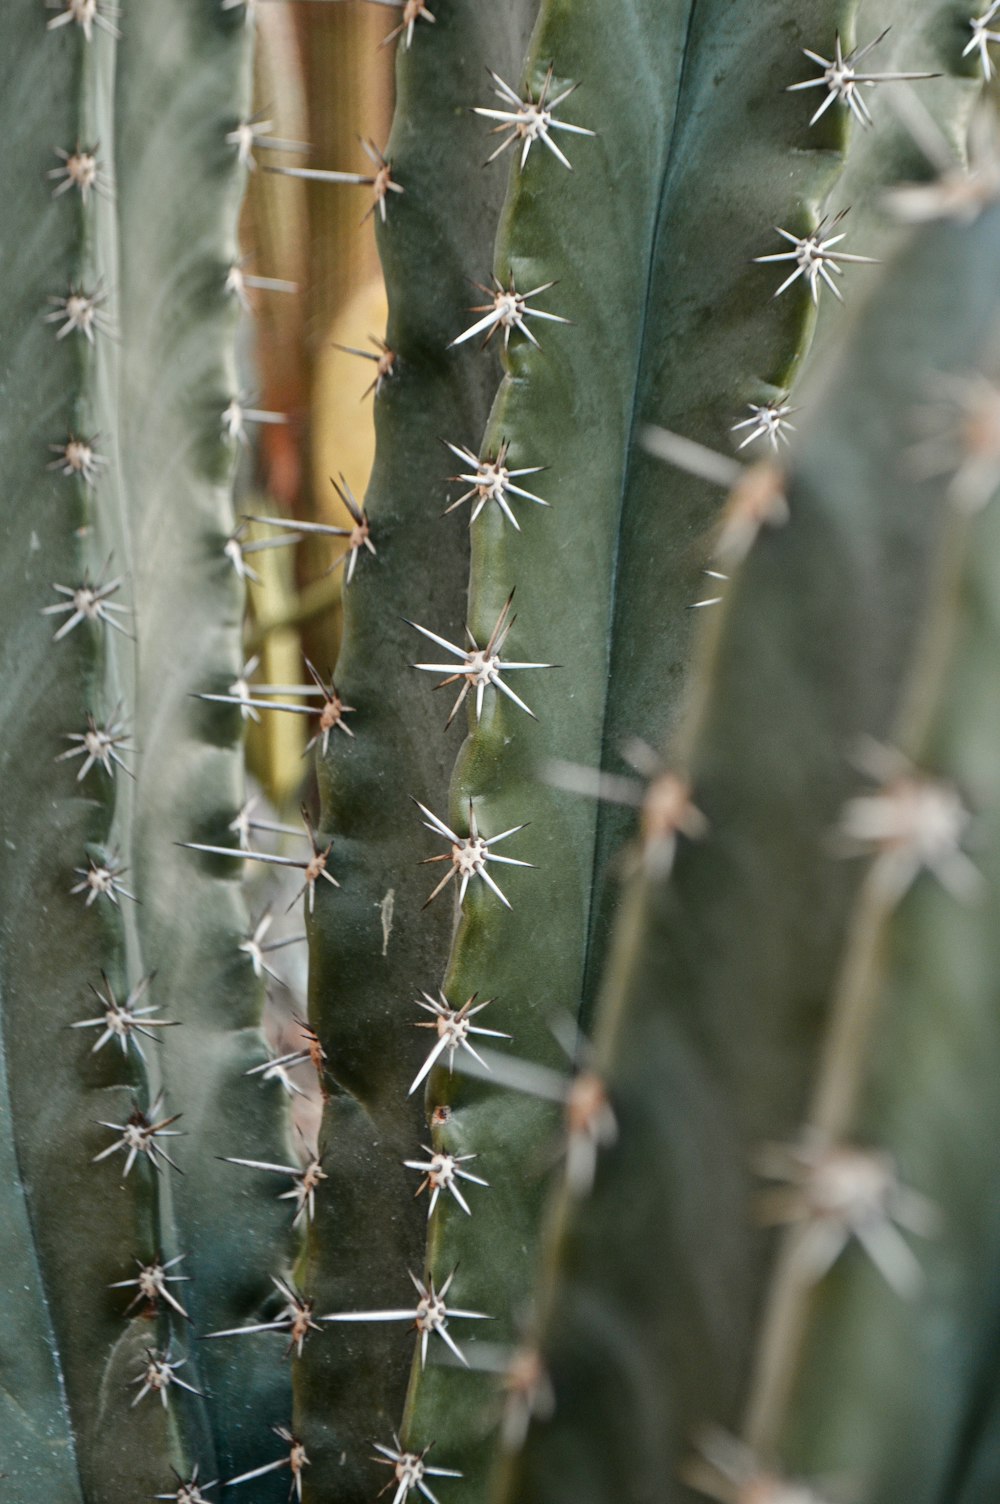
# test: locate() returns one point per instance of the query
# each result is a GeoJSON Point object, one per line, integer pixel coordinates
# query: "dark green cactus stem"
{"type": "Point", "coordinates": [372, 947]}
{"type": "Point", "coordinates": [724, 979]}
{"type": "Point", "coordinates": [141, 375]}
{"type": "Point", "coordinates": [650, 242]}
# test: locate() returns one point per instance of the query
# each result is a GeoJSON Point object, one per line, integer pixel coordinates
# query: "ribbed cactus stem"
{"type": "Point", "coordinates": [373, 948]}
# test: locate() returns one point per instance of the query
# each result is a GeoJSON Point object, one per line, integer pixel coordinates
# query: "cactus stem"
{"type": "Point", "coordinates": [158, 1375]}
{"type": "Point", "coordinates": [253, 945]}
{"type": "Point", "coordinates": [453, 1027]}
{"type": "Point", "coordinates": [81, 169]}
{"type": "Point", "coordinates": [141, 1135]}
{"type": "Point", "coordinates": [296, 1461]}
{"type": "Point", "coordinates": [296, 1320]}
{"type": "Point", "coordinates": [767, 420]}
{"type": "Point", "coordinates": [124, 1021]}
{"type": "Point", "coordinates": [843, 82]}
{"type": "Point", "coordinates": [358, 536]}
{"type": "Point", "coordinates": [87, 602]}
{"type": "Point", "coordinates": [151, 1282]}
{"type": "Point", "coordinates": [835, 1193]}
{"type": "Point", "coordinates": [410, 1470]}
{"type": "Point", "coordinates": [189, 1491]}
{"type": "Point", "coordinates": [530, 120]}
{"type": "Point", "coordinates": [506, 310]}
{"type": "Point", "coordinates": [430, 1318]}
{"type": "Point", "coordinates": [981, 38]}
{"type": "Point", "coordinates": [442, 1172]}
{"type": "Point", "coordinates": [86, 14]}
{"type": "Point", "coordinates": [385, 362]}
{"type": "Point", "coordinates": [78, 457]}
{"type": "Point", "coordinates": [468, 855]}
{"type": "Point", "coordinates": [101, 880]}
{"type": "Point", "coordinates": [815, 259]}
{"type": "Point", "coordinates": [482, 666]}
{"type": "Point", "coordinates": [490, 480]}
{"type": "Point", "coordinates": [307, 1180]}
{"type": "Point", "coordinates": [98, 744]}
{"type": "Point", "coordinates": [79, 310]}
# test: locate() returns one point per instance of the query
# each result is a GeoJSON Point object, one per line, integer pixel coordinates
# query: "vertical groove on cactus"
{"type": "Point", "coordinates": [719, 985]}
{"type": "Point", "coordinates": [372, 947]}
{"type": "Point", "coordinates": [718, 338]}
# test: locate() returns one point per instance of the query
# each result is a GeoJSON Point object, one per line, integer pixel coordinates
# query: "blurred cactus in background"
{"type": "Point", "coordinates": [644, 1146]}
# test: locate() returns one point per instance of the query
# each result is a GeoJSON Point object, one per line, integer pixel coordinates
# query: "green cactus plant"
{"type": "Point", "coordinates": [636, 279]}
{"type": "Point", "coordinates": [140, 509]}
{"type": "Point", "coordinates": [814, 996]}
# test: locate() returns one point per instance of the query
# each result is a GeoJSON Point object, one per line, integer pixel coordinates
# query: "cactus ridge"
{"type": "Point", "coordinates": [371, 949]}
{"type": "Point", "coordinates": [122, 333]}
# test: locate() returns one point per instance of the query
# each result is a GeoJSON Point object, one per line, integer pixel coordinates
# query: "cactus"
{"type": "Point", "coordinates": [372, 949]}
{"type": "Point", "coordinates": [653, 336]}
{"type": "Point", "coordinates": [645, 151]}
{"type": "Point", "coordinates": [823, 1006]}
{"type": "Point", "coordinates": [146, 368]}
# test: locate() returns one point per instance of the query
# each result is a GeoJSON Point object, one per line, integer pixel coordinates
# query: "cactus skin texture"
{"type": "Point", "coordinates": [763, 986]}
{"type": "Point", "coordinates": [157, 238]}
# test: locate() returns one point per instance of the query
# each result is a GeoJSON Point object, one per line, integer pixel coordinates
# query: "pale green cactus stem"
{"type": "Point", "coordinates": [125, 252]}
